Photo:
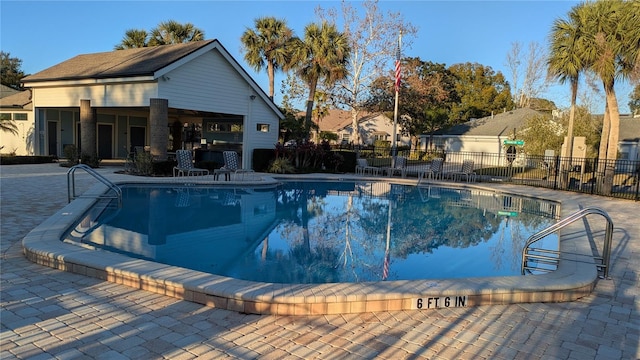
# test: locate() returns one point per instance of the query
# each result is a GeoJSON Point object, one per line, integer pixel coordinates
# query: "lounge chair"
{"type": "Point", "coordinates": [400, 166]}
{"type": "Point", "coordinates": [232, 163]}
{"type": "Point", "coordinates": [434, 171]}
{"type": "Point", "coordinates": [466, 171]}
{"type": "Point", "coordinates": [185, 165]}
{"type": "Point", "coordinates": [362, 168]}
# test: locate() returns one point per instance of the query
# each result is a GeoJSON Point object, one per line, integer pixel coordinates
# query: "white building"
{"type": "Point", "coordinates": [165, 97]}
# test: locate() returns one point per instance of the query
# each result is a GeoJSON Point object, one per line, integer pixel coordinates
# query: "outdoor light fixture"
{"type": "Point", "coordinates": [252, 97]}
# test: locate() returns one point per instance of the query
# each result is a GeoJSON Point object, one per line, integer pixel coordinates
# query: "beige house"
{"type": "Point", "coordinates": [372, 127]}
{"type": "Point", "coordinates": [16, 106]}
{"type": "Point", "coordinates": [191, 95]}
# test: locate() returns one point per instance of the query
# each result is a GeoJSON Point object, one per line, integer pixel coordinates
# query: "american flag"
{"type": "Point", "coordinates": [398, 70]}
{"type": "Point", "coordinates": [385, 266]}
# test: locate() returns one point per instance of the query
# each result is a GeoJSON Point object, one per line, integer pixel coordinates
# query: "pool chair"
{"type": "Point", "coordinates": [362, 168]}
{"type": "Point", "coordinates": [232, 163]}
{"type": "Point", "coordinates": [434, 171]}
{"type": "Point", "coordinates": [400, 167]}
{"type": "Point", "coordinates": [185, 165]}
{"type": "Point", "coordinates": [466, 171]}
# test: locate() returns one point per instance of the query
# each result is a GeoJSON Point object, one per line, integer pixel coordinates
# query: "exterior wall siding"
{"type": "Point", "coordinates": [207, 83]}
{"type": "Point", "coordinates": [101, 95]}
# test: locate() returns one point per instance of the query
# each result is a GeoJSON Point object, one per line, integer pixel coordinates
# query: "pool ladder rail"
{"type": "Point", "coordinates": [551, 257]}
{"type": "Point", "coordinates": [114, 190]}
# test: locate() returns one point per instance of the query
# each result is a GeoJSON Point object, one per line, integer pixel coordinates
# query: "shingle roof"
{"type": "Point", "coordinates": [629, 128]}
{"type": "Point", "coordinates": [120, 63]}
{"type": "Point", "coordinates": [6, 91]}
{"type": "Point", "coordinates": [497, 125]}
{"type": "Point", "coordinates": [336, 120]}
{"type": "Point", "coordinates": [19, 100]}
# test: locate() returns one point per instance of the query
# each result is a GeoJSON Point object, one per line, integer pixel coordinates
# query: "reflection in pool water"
{"type": "Point", "coordinates": [320, 232]}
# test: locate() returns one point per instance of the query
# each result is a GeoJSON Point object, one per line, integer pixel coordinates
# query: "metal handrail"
{"type": "Point", "coordinates": [71, 184]}
{"type": "Point", "coordinates": [606, 250]}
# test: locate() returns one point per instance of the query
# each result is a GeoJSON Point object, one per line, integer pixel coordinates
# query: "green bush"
{"type": "Point", "coordinates": [281, 166]}
{"type": "Point", "coordinates": [90, 160]}
{"type": "Point", "coordinates": [17, 160]}
{"type": "Point", "coordinates": [346, 161]}
{"type": "Point", "coordinates": [262, 158]}
{"type": "Point", "coordinates": [71, 154]}
{"type": "Point", "coordinates": [144, 163]}
{"type": "Point", "coordinates": [163, 168]}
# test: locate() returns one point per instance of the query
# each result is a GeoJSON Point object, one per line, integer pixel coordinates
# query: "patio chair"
{"type": "Point", "coordinates": [466, 171]}
{"type": "Point", "coordinates": [362, 168]}
{"type": "Point", "coordinates": [434, 171]}
{"type": "Point", "coordinates": [232, 163]}
{"type": "Point", "coordinates": [185, 165]}
{"type": "Point", "coordinates": [400, 166]}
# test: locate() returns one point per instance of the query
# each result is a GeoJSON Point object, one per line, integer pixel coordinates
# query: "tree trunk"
{"type": "Point", "coordinates": [604, 145]}
{"type": "Point", "coordinates": [355, 126]}
{"type": "Point", "coordinates": [312, 93]}
{"type": "Point", "coordinates": [614, 134]}
{"type": "Point", "coordinates": [569, 144]}
{"type": "Point", "coordinates": [271, 74]}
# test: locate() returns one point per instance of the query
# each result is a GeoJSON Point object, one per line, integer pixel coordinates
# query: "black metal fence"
{"type": "Point", "coordinates": [614, 178]}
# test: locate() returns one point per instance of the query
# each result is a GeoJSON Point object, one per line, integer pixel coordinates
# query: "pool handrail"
{"type": "Point", "coordinates": [606, 250]}
{"type": "Point", "coordinates": [71, 185]}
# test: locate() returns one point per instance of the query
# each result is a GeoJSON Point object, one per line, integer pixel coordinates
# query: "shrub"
{"type": "Point", "coordinates": [281, 166]}
{"type": "Point", "coordinates": [262, 158]}
{"type": "Point", "coordinates": [90, 160]}
{"type": "Point", "coordinates": [71, 154]}
{"type": "Point", "coordinates": [144, 163]}
{"type": "Point", "coordinates": [16, 160]}
{"type": "Point", "coordinates": [163, 168]}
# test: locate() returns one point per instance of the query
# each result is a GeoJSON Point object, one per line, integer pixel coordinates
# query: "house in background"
{"type": "Point", "coordinates": [629, 139]}
{"type": "Point", "coordinates": [17, 107]}
{"type": "Point", "coordinates": [487, 135]}
{"type": "Point", "coordinates": [372, 127]}
{"type": "Point", "coordinates": [481, 135]}
{"type": "Point", "coordinates": [190, 95]}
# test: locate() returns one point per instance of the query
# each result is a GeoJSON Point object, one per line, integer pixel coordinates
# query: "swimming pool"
{"type": "Point", "coordinates": [322, 232]}
{"type": "Point", "coordinates": [574, 278]}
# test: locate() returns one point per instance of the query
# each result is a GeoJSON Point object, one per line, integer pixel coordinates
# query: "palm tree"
{"type": "Point", "coordinates": [612, 52]}
{"type": "Point", "coordinates": [267, 45]}
{"type": "Point", "coordinates": [322, 55]}
{"type": "Point", "coordinates": [172, 32]}
{"type": "Point", "coordinates": [566, 61]}
{"type": "Point", "coordinates": [133, 38]}
{"type": "Point", "coordinates": [8, 126]}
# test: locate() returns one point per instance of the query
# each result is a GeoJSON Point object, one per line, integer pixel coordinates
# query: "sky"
{"type": "Point", "coordinates": [45, 33]}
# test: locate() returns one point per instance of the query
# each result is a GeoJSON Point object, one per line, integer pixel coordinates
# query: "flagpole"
{"type": "Point", "coordinates": [394, 149]}
{"type": "Point", "coordinates": [386, 261]}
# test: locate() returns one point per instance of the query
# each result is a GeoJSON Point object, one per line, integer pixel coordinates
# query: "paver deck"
{"type": "Point", "coordinates": [46, 313]}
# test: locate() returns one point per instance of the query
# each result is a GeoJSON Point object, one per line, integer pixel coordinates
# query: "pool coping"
{"type": "Point", "coordinates": [575, 277]}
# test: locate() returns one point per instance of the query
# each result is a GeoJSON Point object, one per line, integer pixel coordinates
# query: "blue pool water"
{"type": "Point", "coordinates": [321, 232]}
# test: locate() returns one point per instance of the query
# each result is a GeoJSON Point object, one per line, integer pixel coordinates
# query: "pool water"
{"type": "Point", "coordinates": [321, 232]}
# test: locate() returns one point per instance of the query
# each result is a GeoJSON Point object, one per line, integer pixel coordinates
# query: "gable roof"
{"type": "Point", "coordinates": [497, 125]}
{"type": "Point", "coordinates": [118, 63]}
{"type": "Point", "coordinates": [6, 91]}
{"type": "Point", "coordinates": [337, 120]}
{"type": "Point", "coordinates": [20, 100]}
{"type": "Point", "coordinates": [629, 128]}
{"type": "Point", "coordinates": [148, 61]}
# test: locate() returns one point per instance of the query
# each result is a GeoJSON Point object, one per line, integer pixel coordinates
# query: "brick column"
{"type": "Point", "coordinates": [87, 128]}
{"type": "Point", "coordinates": [159, 127]}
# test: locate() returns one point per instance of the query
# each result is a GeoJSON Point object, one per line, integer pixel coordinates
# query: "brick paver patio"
{"type": "Point", "coordinates": [47, 313]}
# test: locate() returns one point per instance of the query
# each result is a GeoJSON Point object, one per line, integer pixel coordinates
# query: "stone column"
{"type": "Point", "coordinates": [159, 127]}
{"type": "Point", "coordinates": [87, 128]}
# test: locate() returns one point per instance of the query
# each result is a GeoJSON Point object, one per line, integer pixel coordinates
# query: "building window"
{"type": "Point", "coordinates": [5, 116]}
{"type": "Point", "coordinates": [346, 137]}
{"type": "Point", "coordinates": [262, 127]}
{"type": "Point", "coordinates": [20, 116]}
